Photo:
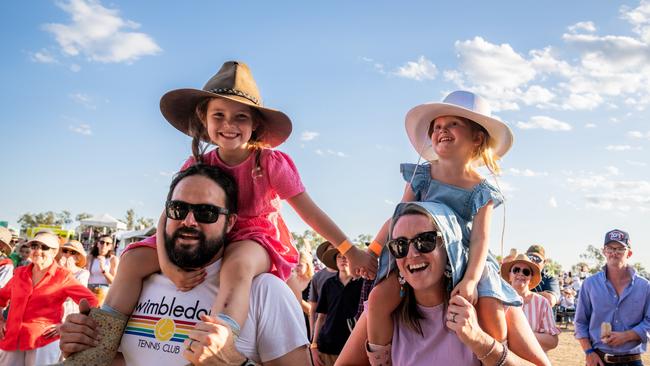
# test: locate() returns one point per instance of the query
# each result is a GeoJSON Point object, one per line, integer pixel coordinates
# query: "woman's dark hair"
{"type": "Point", "coordinates": [407, 310]}
{"type": "Point", "coordinates": [95, 251]}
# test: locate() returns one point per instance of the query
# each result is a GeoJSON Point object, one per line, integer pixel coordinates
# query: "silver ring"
{"type": "Point", "coordinates": [453, 318]}
{"type": "Point", "coordinates": [189, 346]}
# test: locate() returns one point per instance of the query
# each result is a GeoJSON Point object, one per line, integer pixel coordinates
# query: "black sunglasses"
{"type": "Point", "coordinates": [68, 251]}
{"type": "Point", "coordinates": [525, 271]}
{"type": "Point", "coordinates": [40, 246]}
{"type": "Point", "coordinates": [424, 243]}
{"type": "Point", "coordinates": [535, 258]}
{"type": "Point", "coordinates": [203, 212]}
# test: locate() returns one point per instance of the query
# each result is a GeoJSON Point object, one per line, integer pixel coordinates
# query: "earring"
{"type": "Point", "coordinates": [401, 281]}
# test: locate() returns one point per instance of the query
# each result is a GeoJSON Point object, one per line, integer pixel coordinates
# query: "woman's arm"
{"type": "Point", "coordinates": [547, 341]}
{"type": "Point", "coordinates": [354, 351]}
{"type": "Point", "coordinates": [110, 274]}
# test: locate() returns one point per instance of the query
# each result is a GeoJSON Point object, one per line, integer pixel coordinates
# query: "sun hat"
{"type": "Point", "coordinates": [522, 258]}
{"type": "Point", "coordinates": [47, 238]}
{"type": "Point", "coordinates": [5, 239]}
{"type": "Point", "coordinates": [458, 103]}
{"type": "Point", "coordinates": [618, 236]}
{"type": "Point", "coordinates": [234, 81]}
{"type": "Point", "coordinates": [329, 258]}
{"type": "Point", "coordinates": [78, 248]}
{"type": "Point", "coordinates": [538, 250]}
{"type": "Point", "coordinates": [322, 248]}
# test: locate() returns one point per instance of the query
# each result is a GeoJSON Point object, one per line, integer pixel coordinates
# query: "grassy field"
{"type": "Point", "coordinates": [569, 353]}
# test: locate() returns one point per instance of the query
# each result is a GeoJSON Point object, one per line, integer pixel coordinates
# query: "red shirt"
{"type": "Point", "coordinates": [35, 308]}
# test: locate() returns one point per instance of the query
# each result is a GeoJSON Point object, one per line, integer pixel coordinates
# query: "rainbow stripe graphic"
{"type": "Point", "coordinates": [162, 329]}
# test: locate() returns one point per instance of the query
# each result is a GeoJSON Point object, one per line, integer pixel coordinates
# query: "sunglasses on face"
{"type": "Point", "coordinates": [535, 258]}
{"type": "Point", "coordinates": [42, 247]}
{"type": "Point", "coordinates": [525, 271]}
{"type": "Point", "coordinates": [203, 213]}
{"type": "Point", "coordinates": [104, 242]}
{"type": "Point", "coordinates": [68, 251]}
{"type": "Point", "coordinates": [424, 243]}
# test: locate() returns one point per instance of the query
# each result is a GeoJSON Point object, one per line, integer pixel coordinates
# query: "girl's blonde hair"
{"type": "Point", "coordinates": [197, 129]}
{"type": "Point", "coordinates": [485, 151]}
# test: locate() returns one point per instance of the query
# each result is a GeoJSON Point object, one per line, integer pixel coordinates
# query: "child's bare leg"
{"type": "Point", "coordinates": [492, 317]}
{"type": "Point", "coordinates": [382, 301]}
{"type": "Point", "coordinates": [243, 260]}
{"type": "Point", "coordinates": [135, 265]}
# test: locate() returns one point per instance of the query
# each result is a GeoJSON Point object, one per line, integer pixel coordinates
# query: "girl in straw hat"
{"type": "Point", "coordinates": [455, 137]}
{"type": "Point", "coordinates": [228, 113]}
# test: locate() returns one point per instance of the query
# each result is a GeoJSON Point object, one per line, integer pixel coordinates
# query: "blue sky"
{"type": "Point", "coordinates": [82, 130]}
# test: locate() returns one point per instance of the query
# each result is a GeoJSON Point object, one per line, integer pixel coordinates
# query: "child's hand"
{"type": "Point", "coordinates": [466, 289]}
{"type": "Point", "coordinates": [362, 263]}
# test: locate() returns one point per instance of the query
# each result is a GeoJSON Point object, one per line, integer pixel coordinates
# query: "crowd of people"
{"type": "Point", "coordinates": [221, 282]}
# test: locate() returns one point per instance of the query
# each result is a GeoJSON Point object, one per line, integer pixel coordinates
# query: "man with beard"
{"type": "Point", "coordinates": [169, 327]}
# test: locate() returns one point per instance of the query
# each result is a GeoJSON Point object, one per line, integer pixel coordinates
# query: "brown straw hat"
{"type": "Point", "coordinates": [235, 82]}
{"type": "Point", "coordinates": [78, 248]}
{"type": "Point", "coordinates": [522, 258]}
{"type": "Point", "coordinates": [5, 240]}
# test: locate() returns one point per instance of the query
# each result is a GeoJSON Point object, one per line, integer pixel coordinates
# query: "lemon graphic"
{"type": "Point", "coordinates": [164, 329]}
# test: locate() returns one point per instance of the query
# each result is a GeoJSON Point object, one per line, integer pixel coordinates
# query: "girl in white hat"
{"type": "Point", "coordinates": [228, 113]}
{"type": "Point", "coordinates": [455, 137]}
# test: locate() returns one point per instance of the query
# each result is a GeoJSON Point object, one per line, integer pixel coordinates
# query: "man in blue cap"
{"type": "Point", "coordinates": [613, 313]}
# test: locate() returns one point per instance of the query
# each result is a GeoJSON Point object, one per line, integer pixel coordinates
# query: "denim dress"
{"type": "Point", "coordinates": [463, 204]}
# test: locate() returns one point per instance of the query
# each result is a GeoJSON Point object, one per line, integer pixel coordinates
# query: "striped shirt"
{"type": "Point", "coordinates": [539, 314]}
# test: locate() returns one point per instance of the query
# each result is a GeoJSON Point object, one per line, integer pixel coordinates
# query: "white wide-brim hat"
{"type": "Point", "coordinates": [458, 103]}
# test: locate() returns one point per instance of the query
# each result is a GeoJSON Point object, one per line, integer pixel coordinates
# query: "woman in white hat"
{"type": "Point", "coordinates": [72, 256]}
{"type": "Point", "coordinates": [524, 275]}
{"type": "Point", "coordinates": [37, 293]}
{"type": "Point", "coordinates": [455, 137]}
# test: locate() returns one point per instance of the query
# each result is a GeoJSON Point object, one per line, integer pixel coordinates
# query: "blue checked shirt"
{"type": "Point", "coordinates": [598, 303]}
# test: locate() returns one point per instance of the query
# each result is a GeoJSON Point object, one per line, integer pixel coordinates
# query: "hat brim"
{"type": "Point", "coordinates": [178, 106]}
{"type": "Point", "coordinates": [322, 248]}
{"type": "Point", "coordinates": [329, 258]}
{"type": "Point", "coordinates": [5, 247]}
{"type": "Point", "coordinates": [419, 118]}
{"type": "Point", "coordinates": [81, 257]}
{"type": "Point", "coordinates": [535, 279]}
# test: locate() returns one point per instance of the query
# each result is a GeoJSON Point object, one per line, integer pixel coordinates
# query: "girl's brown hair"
{"type": "Point", "coordinates": [199, 133]}
{"type": "Point", "coordinates": [483, 152]}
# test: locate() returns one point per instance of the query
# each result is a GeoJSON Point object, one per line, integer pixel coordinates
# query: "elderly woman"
{"type": "Point", "coordinates": [299, 283]}
{"type": "Point", "coordinates": [524, 275]}
{"type": "Point", "coordinates": [102, 264]}
{"type": "Point", "coordinates": [73, 257]}
{"type": "Point", "coordinates": [424, 240]}
{"type": "Point", "coordinates": [37, 293]}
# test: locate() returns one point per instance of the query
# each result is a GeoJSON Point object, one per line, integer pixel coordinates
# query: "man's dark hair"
{"type": "Point", "coordinates": [221, 178]}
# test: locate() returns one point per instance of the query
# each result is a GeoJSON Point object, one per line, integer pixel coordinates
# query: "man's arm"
{"type": "Point", "coordinates": [551, 290]}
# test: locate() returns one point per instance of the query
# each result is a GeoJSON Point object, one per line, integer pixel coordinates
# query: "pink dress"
{"type": "Point", "coordinates": [258, 203]}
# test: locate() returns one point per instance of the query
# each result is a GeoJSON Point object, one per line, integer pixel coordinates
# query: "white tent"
{"type": "Point", "coordinates": [104, 220]}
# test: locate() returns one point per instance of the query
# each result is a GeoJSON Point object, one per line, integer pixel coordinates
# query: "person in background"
{"type": "Point", "coordinates": [613, 313]}
{"type": "Point", "coordinates": [73, 258]}
{"type": "Point", "coordinates": [299, 282]}
{"type": "Point", "coordinates": [316, 284]}
{"type": "Point", "coordinates": [102, 265]}
{"type": "Point", "coordinates": [25, 253]}
{"type": "Point", "coordinates": [549, 287]}
{"type": "Point", "coordinates": [6, 264]}
{"type": "Point", "coordinates": [567, 303]}
{"type": "Point", "coordinates": [14, 256]}
{"type": "Point", "coordinates": [30, 335]}
{"type": "Point", "coordinates": [337, 304]}
{"type": "Point", "coordinates": [523, 275]}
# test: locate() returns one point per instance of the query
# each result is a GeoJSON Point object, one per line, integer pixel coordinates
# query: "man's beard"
{"type": "Point", "coordinates": [196, 255]}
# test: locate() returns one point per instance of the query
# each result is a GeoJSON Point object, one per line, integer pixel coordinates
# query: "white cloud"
{"type": "Point", "coordinates": [552, 202]}
{"type": "Point", "coordinates": [308, 135]}
{"type": "Point", "coordinates": [638, 135]}
{"type": "Point", "coordinates": [319, 152]}
{"type": "Point", "coordinates": [584, 26]}
{"type": "Point", "coordinates": [330, 152]}
{"type": "Point", "coordinates": [389, 202]}
{"type": "Point", "coordinates": [545, 123]}
{"type": "Point", "coordinates": [166, 174]}
{"type": "Point", "coordinates": [83, 99]}
{"type": "Point", "coordinates": [419, 70]}
{"type": "Point", "coordinates": [601, 192]}
{"type": "Point", "coordinates": [612, 170]}
{"type": "Point", "coordinates": [75, 68]}
{"type": "Point", "coordinates": [376, 65]}
{"type": "Point", "coordinates": [639, 18]}
{"type": "Point", "coordinates": [636, 163]}
{"type": "Point", "coordinates": [590, 125]}
{"type": "Point", "coordinates": [82, 129]}
{"type": "Point", "coordinates": [100, 34]}
{"type": "Point", "coordinates": [525, 173]}
{"type": "Point", "coordinates": [44, 56]}
{"type": "Point", "coordinates": [620, 147]}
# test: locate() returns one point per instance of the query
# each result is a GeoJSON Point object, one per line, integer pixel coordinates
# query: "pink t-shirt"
{"type": "Point", "coordinates": [539, 314]}
{"type": "Point", "coordinates": [437, 346]}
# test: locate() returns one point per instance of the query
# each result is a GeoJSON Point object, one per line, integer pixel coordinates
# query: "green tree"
{"type": "Point", "coordinates": [144, 222]}
{"type": "Point", "coordinates": [553, 268]}
{"type": "Point", "coordinates": [27, 220]}
{"type": "Point", "coordinates": [308, 240]}
{"type": "Point", "coordinates": [594, 258]}
{"type": "Point", "coordinates": [83, 216]}
{"type": "Point", "coordinates": [641, 271]}
{"type": "Point", "coordinates": [130, 219]}
{"type": "Point", "coordinates": [362, 239]}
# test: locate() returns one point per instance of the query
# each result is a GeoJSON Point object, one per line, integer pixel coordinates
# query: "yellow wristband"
{"type": "Point", "coordinates": [344, 247]}
{"type": "Point", "coordinates": [375, 247]}
{"type": "Point", "coordinates": [313, 346]}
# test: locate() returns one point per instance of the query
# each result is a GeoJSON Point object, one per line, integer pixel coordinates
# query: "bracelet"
{"type": "Point", "coordinates": [344, 247]}
{"type": "Point", "coordinates": [590, 351]}
{"type": "Point", "coordinates": [313, 346]}
{"type": "Point", "coordinates": [494, 343]}
{"type": "Point", "coordinates": [504, 355]}
{"type": "Point", "coordinates": [375, 247]}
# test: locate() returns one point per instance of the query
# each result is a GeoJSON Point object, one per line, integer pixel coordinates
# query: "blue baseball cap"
{"type": "Point", "coordinates": [618, 236]}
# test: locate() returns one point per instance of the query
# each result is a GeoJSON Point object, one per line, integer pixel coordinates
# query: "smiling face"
{"type": "Point", "coordinates": [230, 124]}
{"type": "Point", "coordinates": [518, 278]}
{"type": "Point", "coordinates": [424, 272]}
{"type": "Point", "coordinates": [453, 136]}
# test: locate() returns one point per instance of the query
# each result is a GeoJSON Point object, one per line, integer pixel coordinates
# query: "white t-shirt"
{"type": "Point", "coordinates": [164, 316]}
